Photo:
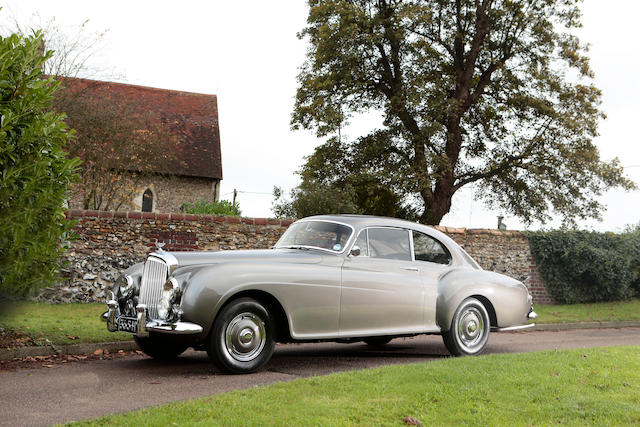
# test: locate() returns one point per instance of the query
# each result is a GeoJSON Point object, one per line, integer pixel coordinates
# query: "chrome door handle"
{"type": "Point", "coordinates": [411, 268]}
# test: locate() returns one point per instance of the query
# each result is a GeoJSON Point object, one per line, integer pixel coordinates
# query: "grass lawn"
{"type": "Point", "coordinates": [58, 323]}
{"type": "Point", "coordinates": [80, 323]}
{"type": "Point", "coordinates": [596, 312]}
{"type": "Point", "coordinates": [597, 386]}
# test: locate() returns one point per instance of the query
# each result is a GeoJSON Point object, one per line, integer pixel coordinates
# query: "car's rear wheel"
{"type": "Point", "coordinates": [162, 348]}
{"type": "Point", "coordinates": [242, 338]}
{"type": "Point", "coordinates": [378, 341]}
{"type": "Point", "coordinates": [469, 330]}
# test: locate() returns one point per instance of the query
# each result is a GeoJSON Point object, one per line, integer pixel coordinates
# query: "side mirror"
{"type": "Point", "coordinates": [355, 251]}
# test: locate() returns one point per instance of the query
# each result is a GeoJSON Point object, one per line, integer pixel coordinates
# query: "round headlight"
{"type": "Point", "coordinates": [169, 293]}
{"type": "Point", "coordinates": [123, 286]}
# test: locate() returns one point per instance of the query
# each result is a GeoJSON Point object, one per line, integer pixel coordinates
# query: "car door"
{"type": "Point", "coordinates": [432, 259]}
{"type": "Point", "coordinates": [382, 292]}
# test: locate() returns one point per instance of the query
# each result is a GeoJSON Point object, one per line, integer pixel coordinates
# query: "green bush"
{"type": "Point", "coordinates": [582, 266]}
{"type": "Point", "coordinates": [203, 207]}
{"type": "Point", "coordinates": [36, 171]}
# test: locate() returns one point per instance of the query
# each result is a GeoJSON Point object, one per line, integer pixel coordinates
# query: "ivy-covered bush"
{"type": "Point", "coordinates": [36, 171]}
{"type": "Point", "coordinates": [583, 266]}
{"type": "Point", "coordinates": [634, 238]}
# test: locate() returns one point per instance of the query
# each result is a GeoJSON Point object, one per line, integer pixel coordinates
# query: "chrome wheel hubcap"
{"type": "Point", "coordinates": [245, 337]}
{"type": "Point", "coordinates": [471, 329]}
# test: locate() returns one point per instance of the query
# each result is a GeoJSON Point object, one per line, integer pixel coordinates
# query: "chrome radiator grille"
{"type": "Point", "coordinates": [153, 278]}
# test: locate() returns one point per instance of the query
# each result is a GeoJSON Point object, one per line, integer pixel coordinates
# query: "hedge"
{"type": "Point", "coordinates": [583, 266]}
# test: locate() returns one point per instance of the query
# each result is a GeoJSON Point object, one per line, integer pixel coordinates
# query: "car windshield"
{"type": "Point", "coordinates": [329, 236]}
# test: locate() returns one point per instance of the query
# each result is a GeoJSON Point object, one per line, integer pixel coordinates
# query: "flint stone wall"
{"type": "Point", "coordinates": [109, 242]}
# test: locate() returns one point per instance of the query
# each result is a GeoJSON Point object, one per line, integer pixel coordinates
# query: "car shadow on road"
{"type": "Point", "coordinates": [303, 359]}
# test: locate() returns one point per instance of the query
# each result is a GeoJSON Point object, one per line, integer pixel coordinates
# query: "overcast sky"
{"type": "Point", "coordinates": [247, 53]}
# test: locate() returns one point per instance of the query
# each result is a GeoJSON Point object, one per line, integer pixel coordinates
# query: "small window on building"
{"type": "Point", "coordinates": [147, 201]}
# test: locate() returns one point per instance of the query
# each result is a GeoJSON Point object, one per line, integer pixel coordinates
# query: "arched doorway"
{"type": "Point", "coordinates": [147, 201]}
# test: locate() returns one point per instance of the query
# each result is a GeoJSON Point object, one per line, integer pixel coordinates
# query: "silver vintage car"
{"type": "Point", "coordinates": [328, 278]}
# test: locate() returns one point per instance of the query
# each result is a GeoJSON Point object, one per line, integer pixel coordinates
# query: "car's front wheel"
{"type": "Point", "coordinates": [162, 348]}
{"type": "Point", "coordinates": [242, 338]}
{"type": "Point", "coordinates": [469, 331]}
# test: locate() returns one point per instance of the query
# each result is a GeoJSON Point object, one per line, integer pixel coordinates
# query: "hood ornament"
{"type": "Point", "coordinates": [159, 246]}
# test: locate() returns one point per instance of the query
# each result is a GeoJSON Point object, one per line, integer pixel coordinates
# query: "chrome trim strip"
{"type": "Point", "coordinates": [513, 328]}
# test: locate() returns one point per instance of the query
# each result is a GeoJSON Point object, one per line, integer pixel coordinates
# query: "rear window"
{"type": "Point", "coordinates": [426, 248]}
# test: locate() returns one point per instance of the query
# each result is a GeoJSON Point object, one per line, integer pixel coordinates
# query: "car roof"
{"type": "Point", "coordinates": [363, 221]}
{"type": "Point", "coordinates": [359, 222]}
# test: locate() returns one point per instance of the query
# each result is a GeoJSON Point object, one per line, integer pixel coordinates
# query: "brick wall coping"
{"type": "Point", "coordinates": [463, 230]}
{"type": "Point", "coordinates": [77, 213]}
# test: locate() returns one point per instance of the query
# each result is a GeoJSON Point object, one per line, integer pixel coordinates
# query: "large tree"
{"type": "Point", "coordinates": [493, 92]}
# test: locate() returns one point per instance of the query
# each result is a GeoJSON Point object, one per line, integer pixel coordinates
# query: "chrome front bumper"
{"type": "Point", "coordinates": [144, 326]}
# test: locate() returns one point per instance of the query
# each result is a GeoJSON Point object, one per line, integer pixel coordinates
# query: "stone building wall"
{"type": "Point", "coordinates": [169, 193]}
{"type": "Point", "coordinates": [112, 241]}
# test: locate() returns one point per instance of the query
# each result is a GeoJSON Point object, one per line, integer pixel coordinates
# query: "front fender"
{"type": "Point", "coordinates": [204, 291]}
{"type": "Point", "coordinates": [508, 297]}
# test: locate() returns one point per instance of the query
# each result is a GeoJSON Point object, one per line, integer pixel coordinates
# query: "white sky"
{"type": "Point", "coordinates": [247, 53]}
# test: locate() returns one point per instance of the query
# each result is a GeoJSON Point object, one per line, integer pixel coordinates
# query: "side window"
{"type": "Point", "coordinates": [362, 243]}
{"type": "Point", "coordinates": [427, 248]}
{"type": "Point", "coordinates": [389, 243]}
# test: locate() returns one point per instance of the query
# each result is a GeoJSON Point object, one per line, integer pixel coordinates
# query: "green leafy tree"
{"type": "Point", "coordinates": [493, 92]}
{"type": "Point", "coordinates": [204, 207]}
{"type": "Point", "coordinates": [335, 181]}
{"type": "Point", "coordinates": [36, 171]}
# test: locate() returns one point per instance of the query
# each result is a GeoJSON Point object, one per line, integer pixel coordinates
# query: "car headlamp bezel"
{"type": "Point", "coordinates": [123, 286]}
{"type": "Point", "coordinates": [170, 297]}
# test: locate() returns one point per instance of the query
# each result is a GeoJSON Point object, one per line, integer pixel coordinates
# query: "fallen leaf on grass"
{"type": "Point", "coordinates": [72, 337]}
{"type": "Point", "coordinates": [412, 421]}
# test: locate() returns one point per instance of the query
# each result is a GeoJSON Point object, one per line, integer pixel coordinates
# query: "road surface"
{"type": "Point", "coordinates": [81, 390]}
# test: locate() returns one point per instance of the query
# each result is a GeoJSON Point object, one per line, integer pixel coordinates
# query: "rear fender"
{"type": "Point", "coordinates": [507, 296]}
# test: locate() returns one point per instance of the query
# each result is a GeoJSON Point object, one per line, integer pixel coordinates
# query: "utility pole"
{"type": "Point", "coordinates": [235, 193]}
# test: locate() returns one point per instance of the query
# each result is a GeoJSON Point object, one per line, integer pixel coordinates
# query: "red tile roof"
{"type": "Point", "coordinates": [193, 116]}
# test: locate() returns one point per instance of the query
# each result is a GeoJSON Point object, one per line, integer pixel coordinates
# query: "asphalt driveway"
{"type": "Point", "coordinates": [80, 390]}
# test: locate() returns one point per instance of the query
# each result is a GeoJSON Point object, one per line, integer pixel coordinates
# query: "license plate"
{"type": "Point", "coordinates": [127, 324]}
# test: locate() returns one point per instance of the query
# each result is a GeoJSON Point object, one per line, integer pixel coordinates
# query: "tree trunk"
{"type": "Point", "coordinates": [438, 205]}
